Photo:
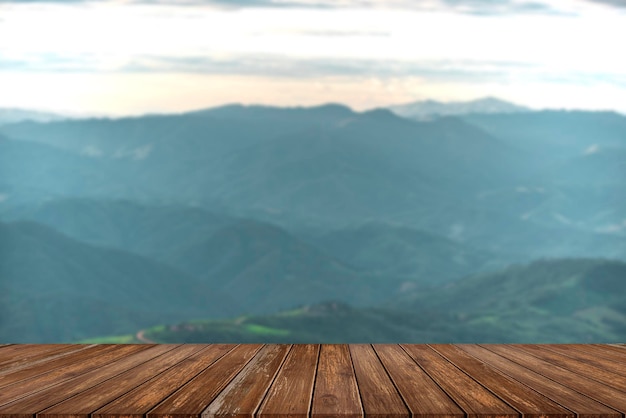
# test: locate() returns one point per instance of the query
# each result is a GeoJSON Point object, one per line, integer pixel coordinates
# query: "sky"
{"type": "Point", "coordinates": [122, 57]}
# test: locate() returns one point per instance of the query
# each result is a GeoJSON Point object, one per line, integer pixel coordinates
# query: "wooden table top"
{"type": "Point", "coordinates": [380, 380]}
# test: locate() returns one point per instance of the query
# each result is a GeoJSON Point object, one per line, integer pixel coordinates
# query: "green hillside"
{"type": "Point", "coordinates": [550, 300]}
{"type": "Point", "coordinates": [115, 225]}
{"type": "Point", "coordinates": [55, 289]}
{"type": "Point", "coordinates": [266, 268]}
{"type": "Point", "coordinates": [151, 230]}
{"type": "Point", "coordinates": [555, 301]}
{"type": "Point", "coordinates": [397, 251]}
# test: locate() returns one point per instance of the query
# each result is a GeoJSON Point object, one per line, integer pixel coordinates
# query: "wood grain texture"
{"type": "Point", "coordinates": [606, 394]}
{"type": "Point", "coordinates": [600, 353]}
{"type": "Point", "coordinates": [422, 395]}
{"type": "Point", "coordinates": [600, 374]}
{"type": "Point", "coordinates": [191, 399]}
{"type": "Point", "coordinates": [379, 396]}
{"type": "Point", "coordinates": [520, 397]}
{"type": "Point", "coordinates": [21, 358]}
{"type": "Point", "coordinates": [32, 404]}
{"type": "Point", "coordinates": [291, 392]}
{"type": "Point", "coordinates": [243, 395]}
{"type": "Point", "coordinates": [84, 403]}
{"type": "Point", "coordinates": [289, 381]}
{"type": "Point", "coordinates": [590, 356]}
{"type": "Point", "coordinates": [473, 398]}
{"type": "Point", "coordinates": [28, 371]}
{"type": "Point", "coordinates": [8, 352]}
{"type": "Point", "coordinates": [583, 406]}
{"type": "Point", "coordinates": [616, 348]}
{"type": "Point", "coordinates": [41, 377]}
{"type": "Point", "coordinates": [142, 399]}
{"type": "Point", "coordinates": [335, 393]}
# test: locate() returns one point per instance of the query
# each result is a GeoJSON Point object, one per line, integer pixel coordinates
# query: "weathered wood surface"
{"type": "Point", "coordinates": [282, 380]}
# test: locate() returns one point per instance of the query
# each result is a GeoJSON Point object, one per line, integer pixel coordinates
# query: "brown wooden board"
{"type": "Point", "coordinates": [617, 348]}
{"type": "Point", "coordinates": [191, 399]}
{"type": "Point", "coordinates": [292, 390]}
{"type": "Point", "coordinates": [592, 388]}
{"type": "Point", "coordinates": [243, 395]}
{"type": "Point", "coordinates": [41, 376]}
{"type": "Point", "coordinates": [601, 374]}
{"type": "Point", "coordinates": [28, 371]}
{"type": "Point", "coordinates": [474, 399]}
{"type": "Point", "coordinates": [386, 380]}
{"type": "Point", "coordinates": [423, 397]}
{"type": "Point", "coordinates": [142, 399]}
{"type": "Point", "coordinates": [603, 352]}
{"type": "Point", "coordinates": [84, 403]}
{"type": "Point", "coordinates": [26, 357]}
{"type": "Point", "coordinates": [379, 396]}
{"type": "Point", "coordinates": [570, 399]}
{"type": "Point", "coordinates": [335, 393]}
{"type": "Point", "coordinates": [583, 406]}
{"type": "Point", "coordinates": [34, 403]}
{"type": "Point", "coordinates": [37, 360]}
{"type": "Point", "coordinates": [9, 352]}
{"type": "Point", "coordinates": [530, 403]}
{"type": "Point", "coordinates": [581, 352]}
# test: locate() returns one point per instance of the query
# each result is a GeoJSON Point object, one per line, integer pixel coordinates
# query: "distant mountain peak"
{"type": "Point", "coordinates": [242, 111]}
{"type": "Point", "coordinates": [429, 109]}
{"type": "Point", "coordinates": [379, 113]}
{"type": "Point", "coordinates": [15, 115]}
{"type": "Point", "coordinates": [333, 107]}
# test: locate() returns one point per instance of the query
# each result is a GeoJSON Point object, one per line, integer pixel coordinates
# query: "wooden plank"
{"type": "Point", "coordinates": [530, 403]}
{"type": "Point", "coordinates": [40, 369]}
{"type": "Point", "coordinates": [12, 352]}
{"type": "Point", "coordinates": [474, 399]}
{"type": "Point", "coordinates": [423, 397]}
{"type": "Point", "coordinates": [22, 356]}
{"type": "Point", "coordinates": [243, 395]}
{"type": "Point", "coordinates": [190, 400]}
{"type": "Point", "coordinates": [614, 349]}
{"type": "Point", "coordinates": [40, 377]}
{"type": "Point", "coordinates": [606, 352]}
{"type": "Point", "coordinates": [581, 367]}
{"type": "Point", "coordinates": [583, 406]}
{"type": "Point", "coordinates": [379, 396]}
{"type": "Point", "coordinates": [84, 403]}
{"type": "Point", "coordinates": [583, 353]}
{"type": "Point", "coordinates": [335, 392]}
{"type": "Point", "coordinates": [617, 348]}
{"type": "Point", "coordinates": [292, 390]}
{"type": "Point", "coordinates": [37, 359]}
{"type": "Point", "coordinates": [142, 399]}
{"type": "Point", "coordinates": [593, 389]}
{"type": "Point", "coordinates": [27, 406]}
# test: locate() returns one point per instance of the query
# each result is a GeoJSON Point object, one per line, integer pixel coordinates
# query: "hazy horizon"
{"type": "Point", "coordinates": [112, 57]}
{"type": "Point", "coordinates": [86, 114]}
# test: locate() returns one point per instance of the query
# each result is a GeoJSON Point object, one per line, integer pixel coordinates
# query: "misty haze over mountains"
{"type": "Point", "coordinates": [481, 221]}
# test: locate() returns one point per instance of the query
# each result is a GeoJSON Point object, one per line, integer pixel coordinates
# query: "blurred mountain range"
{"type": "Point", "coordinates": [256, 210]}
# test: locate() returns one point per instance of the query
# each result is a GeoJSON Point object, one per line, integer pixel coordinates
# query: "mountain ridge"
{"type": "Point", "coordinates": [430, 109]}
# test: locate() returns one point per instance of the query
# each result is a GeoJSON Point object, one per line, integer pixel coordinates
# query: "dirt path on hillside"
{"type": "Point", "coordinates": [140, 336]}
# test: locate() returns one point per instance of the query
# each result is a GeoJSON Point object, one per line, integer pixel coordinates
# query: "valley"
{"type": "Point", "coordinates": [476, 222]}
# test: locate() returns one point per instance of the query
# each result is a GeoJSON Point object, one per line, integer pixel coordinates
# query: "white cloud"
{"type": "Point", "coordinates": [541, 60]}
